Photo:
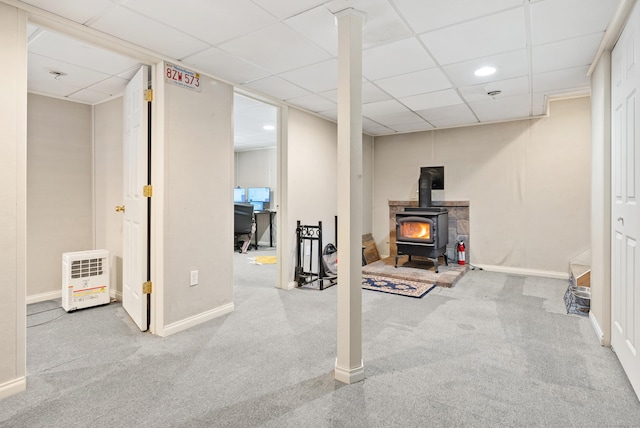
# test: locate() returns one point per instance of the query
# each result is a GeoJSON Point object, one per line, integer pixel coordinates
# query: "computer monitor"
{"type": "Point", "coordinates": [239, 195]}
{"type": "Point", "coordinates": [258, 194]}
{"type": "Point", "coordinates": [257, 206]}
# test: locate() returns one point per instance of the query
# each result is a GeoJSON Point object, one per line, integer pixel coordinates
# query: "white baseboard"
{"type": "Point", "coordinates": [51, 295]}
{"type": "Point", "coordinates": [291, 285]}
{"type": "Point", "coordinates": [13, 387]}
{"type": "Point", "coordinates": [347, 375]}
{"type": "Point", "coordinates": [186, 323]}
{"type": "Point", "coordinates": [526, 272]}
{"type": "Point", "coordinates": [596, 328]}
{"type": "Point", "coordinates": [116, 295]}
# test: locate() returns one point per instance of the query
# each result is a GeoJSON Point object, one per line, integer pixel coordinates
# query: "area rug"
{"type": "Point", "coordinates": [396, 286]}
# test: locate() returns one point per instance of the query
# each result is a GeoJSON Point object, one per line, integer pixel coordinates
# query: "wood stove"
{"type": "Point", "coordinates": [423, 231]}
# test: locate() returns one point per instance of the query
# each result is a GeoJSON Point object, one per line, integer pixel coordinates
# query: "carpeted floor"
{"type": "Point", "coordinates": [495, 350]}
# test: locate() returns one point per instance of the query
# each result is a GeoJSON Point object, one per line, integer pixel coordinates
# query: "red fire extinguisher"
{"type": "Point", "coordinates": [461, 253]}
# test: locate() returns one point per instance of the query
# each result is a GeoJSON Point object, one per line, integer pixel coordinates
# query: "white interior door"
{"type": "Point", "coordinates": [135, 226]}
{"type": "Point", "coordinates": [625, 213]}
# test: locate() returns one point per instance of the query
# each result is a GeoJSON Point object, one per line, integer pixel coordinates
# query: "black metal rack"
{"type": "Point", "coordinates": [309, 265]}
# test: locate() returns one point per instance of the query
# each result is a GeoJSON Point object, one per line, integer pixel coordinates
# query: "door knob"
{"type": "Point", "coordinates": [621, 220]}
{"type": "Point", "coordinates": [119, 208]}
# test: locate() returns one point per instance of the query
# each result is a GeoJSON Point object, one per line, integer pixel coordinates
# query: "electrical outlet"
{"type": "Point", "coordinates": [194, 278]}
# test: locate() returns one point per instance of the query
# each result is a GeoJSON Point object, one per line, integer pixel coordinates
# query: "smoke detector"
{"type": "Point", "coordinates": [57, 74]}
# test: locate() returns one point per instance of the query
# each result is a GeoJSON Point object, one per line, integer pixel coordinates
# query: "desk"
{"type": "Point", "coordinates": [257, 214]}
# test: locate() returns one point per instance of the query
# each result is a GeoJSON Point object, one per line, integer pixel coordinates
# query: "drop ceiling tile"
{"type": "Point", "coordinates": [426, 15]}
{"type": "Point", "coordinates": [490, 35]}
{"type": "Point", "coordinates": [241, 102]}
{"type": "Point", "coordinates": [31, 29]}
{"type": "Point", "coordinates": [126, 24]}
{"type": "Point", "coordinates": [568, 81]}
{"type": "Point", "coordinates": [508, 65]}
{"type": "Point", "coordinates": [221, 64]}
{"type": "Point", "coordinates": [418, 82]}
{"type": "Point", "coordinates": [318, 25]}
{"type": "Point", "coordinates": [431, 100]}
{"type": "Point", "coordinates": [370, 94]}
{"type": "Point", "coordinates": [254, 110]}
{"type": "Point", "coordinates": [555, 20]}
{"type": "Point", "coordinates": [412, 127]}
{"type": "Point", "coordinates": [40, 68]}
{"type": "Point", "coordinates": [448, 116]}
{"type": "Point", "coordinates": [113, 86]}
{"type": "Point", "coordinates": [276, 48]}
{"type": "Point", "coordinates": [277, 88]}
{"type": "Point", "coordinates": [244, 127]}
{"type": "Point", "coordinates": [286, 8]}
{"type": "Point", "coordinates": [383, 108]}
{"type": "Point", "coordinates": [378, 130]}
{"type": "Point", "coordinates": [331, 115]}
{"type": "Point", "coordinates": [78, 11]}
{"type": "Point", "coordinates": [507, 108]}
{"type": "Point", "coordinates": [568, 53]}
{"type": "Point", "coordinates": [395, 58]}
{"type": "Point", "coordinates": [73, 51]}
{"type": "Point", "coordinates": [88, 96]}
{"type": "Point", "coordinates": [318, 77]}
{"type": "Point", "coordinates": [313, 103]}
{"type": "Point", "coordinates": [507, 88]}
{"type": "Point", "coordinates": [382, 24]}
{"type": "Point", "coordinates": [212, 22]}
{"type": "Point", "coordinates": [128, 74]}
{"type": "Point", "coordinates": [368, 123]}
{"type": "Point", "coordinates": [39, 85]}
{"type": "Point", "coordinates": [394, 119]}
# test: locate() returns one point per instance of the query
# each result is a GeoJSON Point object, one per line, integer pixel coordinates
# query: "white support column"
{"type": "Point", "coordinates": [349, 366]}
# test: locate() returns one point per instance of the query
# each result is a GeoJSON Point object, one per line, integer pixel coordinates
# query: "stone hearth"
{"type": "Point", "coordinates": [417, 270]}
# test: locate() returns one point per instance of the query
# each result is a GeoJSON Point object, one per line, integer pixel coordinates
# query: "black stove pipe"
{"type": "Point", "coordinates": [424, 188]}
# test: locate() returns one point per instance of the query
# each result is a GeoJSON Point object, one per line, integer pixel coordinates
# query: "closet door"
{"type": "Point", "coordinates": [625, 213]}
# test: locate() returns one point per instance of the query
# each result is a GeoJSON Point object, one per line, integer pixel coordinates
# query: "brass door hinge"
{"type": "Point", "coordinates": [148, 95]}
{"type": "Point", "coordinates": [147, 191]}
{"type": "Point", "coordinates": [147, 287]}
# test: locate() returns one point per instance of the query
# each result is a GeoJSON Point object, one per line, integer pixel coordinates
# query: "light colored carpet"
{"type": "Point", "coordinates": [495, 350]}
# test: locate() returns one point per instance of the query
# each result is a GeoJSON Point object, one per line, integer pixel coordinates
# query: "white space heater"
{"type": "Point", "coordinates": [85, 279]}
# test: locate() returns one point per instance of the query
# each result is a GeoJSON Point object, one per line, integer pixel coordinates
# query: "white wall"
{"type": "Point", "coordinates": [108, 140]}
{"type": "Point", "coordinates": [197, 204]}
{"type": "Point", "coordinates": [528, 183]}
{"type": "Point", "coordinates": [59, 189]}
{"type": "Point", "coordinates": [367, 184]}
{"type": "Point", "coordinates": [13, 156]}
{"type": "Point", "coordinates": [257, 168]}
{"type": "Point", "coordinates": [312, 177]}
{"type": "Point", "coordinates": [312, 184]}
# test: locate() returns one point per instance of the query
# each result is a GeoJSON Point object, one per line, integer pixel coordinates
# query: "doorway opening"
{"type": "Point", "coordinates": [256, 191]}
{"type": "Point", "coordinates": [75, 157]}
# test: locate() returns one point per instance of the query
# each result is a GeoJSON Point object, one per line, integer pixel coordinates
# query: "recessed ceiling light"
{"type": "Point", "coordinates": [268, 127]}
{"type": "Point", "coordinates": [485, 71]}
